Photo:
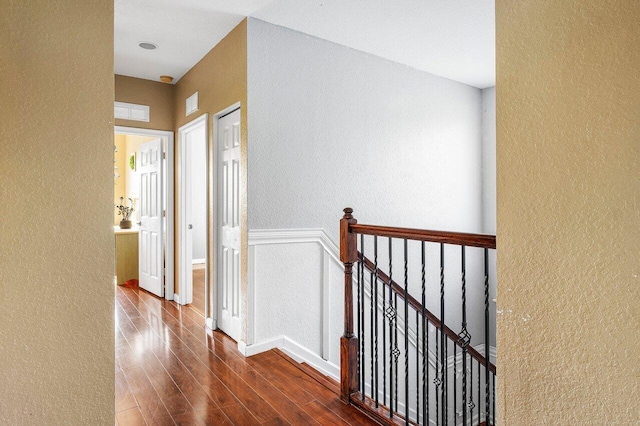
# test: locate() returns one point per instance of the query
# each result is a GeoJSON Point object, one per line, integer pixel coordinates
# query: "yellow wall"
{"type": "Point", "coordinates": [568, 170]}
{"type": "Point", "coordinates": [158, 96]}
{"type": "Point", "coordinates": [221, 81]}
{"type": "Point", "coordinates": [56, 188]}
{"type": "Point", "coordinates": [120, 183]}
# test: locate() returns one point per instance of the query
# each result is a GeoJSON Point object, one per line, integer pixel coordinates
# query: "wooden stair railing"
{"type": "Point", "coordinates": [384, 405]}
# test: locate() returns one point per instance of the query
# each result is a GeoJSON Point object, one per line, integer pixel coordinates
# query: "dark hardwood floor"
{"type": "Point", "coordinates": [171, 370]}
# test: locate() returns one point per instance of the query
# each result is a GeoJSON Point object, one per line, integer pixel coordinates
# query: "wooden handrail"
{"type": "Point", "coordinates": [370, 266]}
{"type": "Point", "coordinates": [457, 238]}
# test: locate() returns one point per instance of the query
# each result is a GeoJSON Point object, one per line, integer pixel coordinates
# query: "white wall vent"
{"type": "Point", "coordinates": [132, 112]}
{"type": "Point", "coordinates": [192, 103]}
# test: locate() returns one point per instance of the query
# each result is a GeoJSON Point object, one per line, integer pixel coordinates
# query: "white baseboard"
{"type": "Point", "coordinates": [294, 350]}
{"type": "Point", "coordinates": [211, 323]}
{"type": "Point", "coordinates": [176, 298]}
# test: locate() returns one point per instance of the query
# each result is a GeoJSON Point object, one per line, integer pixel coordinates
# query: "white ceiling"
{"type": "Point", "coordinates": [450, 38]}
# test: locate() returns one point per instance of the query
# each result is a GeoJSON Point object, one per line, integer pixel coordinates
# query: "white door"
{"type": "Point", "coordinates": [150, 247]}
{"type": "Point", "coordinates": [228, 140]}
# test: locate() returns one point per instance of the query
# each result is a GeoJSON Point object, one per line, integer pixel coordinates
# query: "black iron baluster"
{"type": "Point", "coordinates": [493, 392]}
{"type": "Point", "coordinates": [464, 337]}
{"type": "Point", "coordinates": [455, 381]}
{"type": "Point", "coordinates": [471, 404]}
{"type": "Point", "coordinates": [436, 380]}
{"type": "Point", "coordinates": [373, 307]}
{"type": "Point", "coordinates": [417, 367]}
{"type": "Point", "coordinates": [479, 391]}
{"type": "Point", "coordinates": [384, 344]}
{"type": "Point", "coordinates": [375, 261]}
{"type": "Point", "coordinates": [445, 407]}
{"type": "Point", "coordinates": [486, 333]}
{"type": "Point", "coordinates": [359, 270]}
{"type": "Point", "coordinates": [396, 349]}
{"type": "Point", "coordinates": [443, 358]}
{"type": "Point", "coordinates": [425, 346]}
{"type": "Point", "coordinates": [391, 316]}
{"type": "Point", "coordinates": [406, 333]}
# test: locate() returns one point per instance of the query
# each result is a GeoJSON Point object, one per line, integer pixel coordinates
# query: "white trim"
{"type": "Point", "coordinates": [296, 351]}
{"type": "Point", "coordinates": [288, 236]}
{"type": "Point", "coordinates": [169, 248]}
{"type": "Point", "coordinates": [183, 249]}
{"type": "Point", "coordinates": [210, 323]}
{"type": "Point", "coordinates": [132, 112]}
{"type": "Point", "coordinates": [176, 298]}
{"type": "Point", "coordinates": [251, 299]}
{"type": "Point", "coordinates": [198, 261]}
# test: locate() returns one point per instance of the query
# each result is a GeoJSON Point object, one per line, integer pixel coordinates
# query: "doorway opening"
{"type": "Point", "coordinates": [193, 225]}
{"type": "Point", "coordinates": [150, 239]}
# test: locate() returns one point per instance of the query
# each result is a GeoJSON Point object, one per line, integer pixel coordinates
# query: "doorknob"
{"type": "Point", "coordinates": [190, 226]}
{"type": "Point", "coordinates": [139, 223]}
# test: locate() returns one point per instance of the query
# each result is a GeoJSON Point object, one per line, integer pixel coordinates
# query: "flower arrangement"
{"type": "Point", "coordinates": [123, 210]}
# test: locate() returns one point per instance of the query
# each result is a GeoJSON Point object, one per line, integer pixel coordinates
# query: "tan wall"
{"type": "Point", "coordinates": [221, 81]}
{"type": "Point", "coordinates": [120, 183]}
{"type": "Point", "coordinates": [568, 167]}
{"type": "Point", "coordinates": [158, 96]}
{"type": "Point", "coordinates": [56, 189]}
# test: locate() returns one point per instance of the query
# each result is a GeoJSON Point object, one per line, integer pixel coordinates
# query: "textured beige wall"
{"type": "Point", "coordinates": [220, 78]}
{"type": "Point", "coordinates": [56, 188]}
{"type": "Point", "coordinates": [158, 96]}
{"type": "Point", "coordinates": [568, 167]}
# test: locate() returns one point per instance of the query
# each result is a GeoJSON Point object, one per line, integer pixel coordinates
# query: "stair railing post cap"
{"type": "Point", "coordinates": [347, 212]}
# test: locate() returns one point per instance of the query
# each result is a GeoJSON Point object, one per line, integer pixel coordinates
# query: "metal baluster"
{"type": "Point", "coordinates": [391, 315]}
{"type": "Point", "coordinates": [363, 336]}
{"type": "Point", "coordinates": [360, 315]}
{"type": "Point", "coordinates": [384, 345]}
{"type": "Point", "coordinates": [479, 391]}
{"type": "Point", "coordinates": [373, 307]}
{"type": "Point", "coordinates": [417, 367]}
{"type": "Point", "coordinates": [443, 358]}
{"type": "Point", "coordinates": [445, 407]}
{"type": "Point", "coordinates": [396, 349]}
{"type": "Point", "coordinates": [471, 404]}
{"type": "Point", "coordinates": [406, 333]}
{"type": "Point", "coordinates": [425, 346]}
{"type": "Point", "coordinates": [464, 337]}
{"type": "Point", "coordinates": [486, 333]}
{"type": "Point", "coordinates": [455, 381]}
{"type": "Point", "coordinates": [436, 381]}
{"type": "Point", "coordinates": [375, 261]}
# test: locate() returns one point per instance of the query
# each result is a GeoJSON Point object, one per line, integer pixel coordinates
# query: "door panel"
{"type": "Point", "coordinates": [150, 255]}
{"type": "Point", "coordinates": [229, 243]}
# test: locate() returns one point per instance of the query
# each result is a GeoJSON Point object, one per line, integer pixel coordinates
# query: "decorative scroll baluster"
{"type": "Point", "coordinates": [455, 381]}
{"type": "Point", "coordinates": [418, 367]}
{"type": "Point", "coordinates": [486, 332]}
{"type": "Point", "coordinates": [396, 350]}
{"type": "Point", "coordinates": [406, 333]}
{"type": "Point", "coordinates": [436, 381]}
{"type": "Point", "coordinates": [375, 286]}
{"type": "Point", "coordinates": [391, 314]}
{"type": "Point", "coordinates": [384, 342]}
{"type": "Point", "coordinates": [443, 355]}
{"type": "Point", "coordinates": [425, 343]}
{"type": "Point", "coordinates": [464, 337]}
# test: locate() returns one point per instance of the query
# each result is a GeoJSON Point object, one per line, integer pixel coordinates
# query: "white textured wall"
{"type": "Point", "coordinates": [489, 160]}
{"type": "Point", "coordinates": [332, 127]}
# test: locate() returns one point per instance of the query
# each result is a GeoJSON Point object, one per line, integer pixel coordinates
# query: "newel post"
{"type": "Point", "coordinates": [348, 342]}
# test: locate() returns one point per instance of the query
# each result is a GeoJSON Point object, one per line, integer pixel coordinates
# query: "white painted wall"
{"type": "Point", "coordinates": [331, 127]}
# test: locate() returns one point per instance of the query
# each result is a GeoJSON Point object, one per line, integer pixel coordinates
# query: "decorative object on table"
{"type": "Point", "coordinates": [125, 212]}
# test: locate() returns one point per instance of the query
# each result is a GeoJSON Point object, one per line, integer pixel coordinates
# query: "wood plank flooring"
{"type": "Point", "coordinates": [171, 370]}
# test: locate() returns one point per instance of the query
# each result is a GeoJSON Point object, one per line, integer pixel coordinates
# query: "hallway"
{"type": "Point", "coordinates": [171, 370]}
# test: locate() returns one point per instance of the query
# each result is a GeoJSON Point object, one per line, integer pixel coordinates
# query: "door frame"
{"type": "Point", "coordinates": [186, 292]}
{"type": "Point", "coordinates": [168, 198]}
{"type": "Point", "coordinates": [217, 214]}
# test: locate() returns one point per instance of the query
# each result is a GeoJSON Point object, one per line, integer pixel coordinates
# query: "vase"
{"type": "Point", "coordinates": [125, 224]}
